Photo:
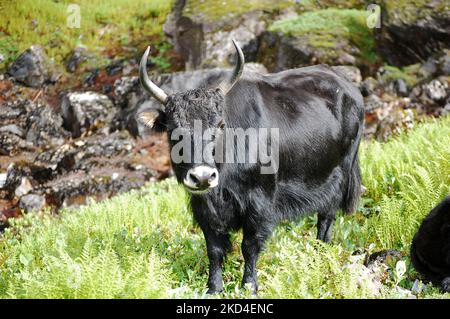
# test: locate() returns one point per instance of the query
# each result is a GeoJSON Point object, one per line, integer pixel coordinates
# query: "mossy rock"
{"type": "Point", "coordinates": [214, 10]}
{"type": "Point", "coordinates": [331, 36]}
{"type": "Point", "coordinates": [413, 30]}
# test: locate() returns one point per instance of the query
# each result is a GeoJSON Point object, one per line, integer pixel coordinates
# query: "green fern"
{"type": "Point", "coordinates": [144, 244]}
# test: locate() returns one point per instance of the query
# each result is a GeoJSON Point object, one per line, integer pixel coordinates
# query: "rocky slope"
{"type": "Point", "coordinates": [69, 133]}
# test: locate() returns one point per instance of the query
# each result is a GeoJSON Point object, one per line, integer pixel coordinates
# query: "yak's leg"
{"type": "Point", "coordinates": [325, 226]}
{"type": "Point", "coordinates": [217, 246]}
{"type": "Point", "coordinates": [252, 244]}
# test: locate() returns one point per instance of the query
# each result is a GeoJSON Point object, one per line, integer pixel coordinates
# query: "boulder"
{"type": "Point", "coordinates": [431, 97]}
{"type": "Point", "coordinates": [400, 87]}
{"type": "Point", "coordinates": [437, 90]}
{"type": "Point", "coordinates": [436, 65]}
{"type": "Point", "coordinates": [32, 202]}
{"type": "Point", "coordinates": [31, 67]}
{"type": "Point", "coordinates": [420, 27]}
{"type": "Point", "coordinates": [202, 34]}
{"type": "Point", "coordinates": [24, 188]}
{"type": "Point", "coordinates": [351, 73]}
{"type": "Point", "coordinates": [387, 115]}
{"type": "Point", "coordinates": [85, 111]}
{"type": "Point", "coordinates": [45, 127]}
{"type": "Point", "coordinates": [133, 99]}
{"type": "Point", "coordinates": [368, 86]}
{"type": "Point", "coordinates": [26, 125]}
{"type": "Point", "coordinates": [78, 56]}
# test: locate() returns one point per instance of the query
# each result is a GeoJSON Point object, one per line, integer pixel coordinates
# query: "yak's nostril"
{"type": "Point", "coordinates": [194, 179]}
{"type": "Point", "coordinates": [212, 177]}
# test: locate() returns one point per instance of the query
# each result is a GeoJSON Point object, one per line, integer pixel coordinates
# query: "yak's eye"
{"type": "Point", "coordinates": [221, 124]}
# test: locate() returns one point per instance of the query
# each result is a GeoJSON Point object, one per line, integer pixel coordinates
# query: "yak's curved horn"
{"type": "Point", "coordinates": [148, 85]}
{"type": "Point", "coordinates": [227, 84]}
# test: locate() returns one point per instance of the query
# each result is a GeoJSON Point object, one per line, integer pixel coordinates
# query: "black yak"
{"type": "Point", "coordinates": [430, 249]}
{"type": "Point", "coordinates": [315, 117]}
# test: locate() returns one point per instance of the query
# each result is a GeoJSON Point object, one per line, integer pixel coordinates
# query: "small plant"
{"type": "Point", "coordinates": [8, 50]}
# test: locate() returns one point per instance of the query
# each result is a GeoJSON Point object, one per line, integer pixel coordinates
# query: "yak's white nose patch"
{"type": "Point", "coordinates": [201, 178]}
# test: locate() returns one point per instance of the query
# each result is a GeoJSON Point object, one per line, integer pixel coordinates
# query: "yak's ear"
{"type": "Point", "coordinates": [154, 119]}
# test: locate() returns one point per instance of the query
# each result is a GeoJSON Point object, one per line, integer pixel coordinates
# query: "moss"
{"type": "Point", "coordinates": [213, 10]}
{"type": "Point", "coordinates": [8, 49]}
{"type": "Point", "coordinates": [409, 11]}
{"type": "Point", "coordinates": [325, 28]}
{"type": "Point", "coordinates": [408, 73]}
{"type": "Point", "coordinates": [104, 25]}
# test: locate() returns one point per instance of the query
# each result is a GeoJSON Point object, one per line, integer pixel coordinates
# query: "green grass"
{"type": "Point", "coordinates": [213, 10]}
{"type": "Point", "coordinates": [325, 27]}
{"type": "Point", "coordinates": [144, 244]}
{"type": "Point", "coordinates": [410, 74]}
{"type": "Point", "coordinates": [104, 25]}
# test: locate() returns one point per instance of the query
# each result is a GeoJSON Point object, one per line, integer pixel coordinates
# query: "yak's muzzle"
{"type": "Point", "coordinates": [201, 178]}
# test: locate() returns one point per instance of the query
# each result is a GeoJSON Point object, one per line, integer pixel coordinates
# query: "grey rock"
{"type": "Point", "coordinates": [78, 56]}
{"type": "Point", "coordinates": [349, 72]}
{"type": "Point", "coordinates": [219, 49]}
{"type": "Point", "coordinates": [45, 127]}
{"type": "Point", "coordinates": [256, 67]}
{"type": "Point", "coordinates": [437, 90]}
{"type": "Point", "coordinates": [346, 58]}
{"type": "Point", "coordinates": [11, 144]}
{"type": "Point", "coordinates": [133, 99]}
{"type": "Point", "coordinates": [389, 257]}
{"type": "Point", "coordinates": [368, 86]}
{"type": "Point", "coordinates": [31, 67]}
{"type": "Point", "coordinates": [80, 154]}
{"type": "Point", "coordinates": [446, 109]}
{"type": "Point", "coordinates": [2, 179]}
{"type": "Point", "coordinates": [83, 111]}
{"type": "Point", "coordinates": [13, 129]}
{"type": "Point", "coordinates": [24, 188]}
{"type": "Point", "coordinates": [421, 27]}
{"type": "Point", "coordinates": [32, 202]}
{"type": "Point", "coordinates": [400, 87]}
{"type": "Point", "coordinates": [373, 102]}
{"type": "Point", "coordinates": [203, 43]}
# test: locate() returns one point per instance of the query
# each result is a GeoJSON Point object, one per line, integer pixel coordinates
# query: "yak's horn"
{"type": "Point", "coordinates": [227, 84]}
{"type": "Point", "coordinates": [148, 85]}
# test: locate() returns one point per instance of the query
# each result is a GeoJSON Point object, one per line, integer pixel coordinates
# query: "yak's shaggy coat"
{"type": "Point", "coordinates": [430, 249]}
{"type": "Point", "coordinates": [320, 117]}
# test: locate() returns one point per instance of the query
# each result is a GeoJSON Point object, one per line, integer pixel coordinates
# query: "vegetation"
{"type": "Point", "coordinates": [324, 28]}
{"type": "Point", "coordinates": [213, 10]}
{"type": "Point", "coordinates": [409, 11]}
{"type": "Point", "coordinates": [410, 74]}
{"type": "Point", "coordinates": [104, 25]}
{"type": "Point", "coordinates": [144, 244]}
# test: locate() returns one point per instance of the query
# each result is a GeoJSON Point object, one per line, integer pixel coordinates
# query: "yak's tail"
{"type": "Point", "coordinates": [351, 165]}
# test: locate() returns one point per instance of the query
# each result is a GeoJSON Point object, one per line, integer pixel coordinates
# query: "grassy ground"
{"type": "Point", "coordinates": [143, 244]}
{"type": "Point", "coordinates": [213, 10]}
{"type": "Point", "coordinates": [104, 25]}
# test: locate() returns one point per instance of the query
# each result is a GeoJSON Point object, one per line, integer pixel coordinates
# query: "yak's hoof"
{"type": "Point", "coordinates": [212, 291]}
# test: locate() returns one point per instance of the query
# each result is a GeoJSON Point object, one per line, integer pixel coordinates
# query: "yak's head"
{"type": "Point", "coordinates": [186, 117]}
